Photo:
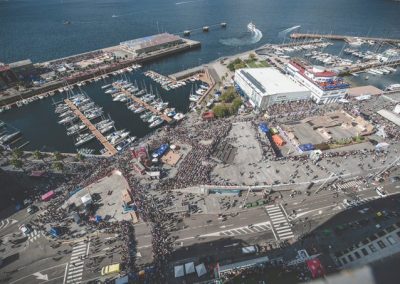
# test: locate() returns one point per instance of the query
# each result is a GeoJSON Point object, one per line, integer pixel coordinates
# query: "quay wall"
{"type": "Point", "coordinates": [98, 72]}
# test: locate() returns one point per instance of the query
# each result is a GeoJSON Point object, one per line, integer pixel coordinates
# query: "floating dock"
{"type": "Point", "coordinates": [110, 148]}
{"type": "Point", "coordinates": [343, 37]}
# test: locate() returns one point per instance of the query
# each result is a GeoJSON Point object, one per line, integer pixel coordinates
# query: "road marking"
{"type": "Point", "coordinates": [240, 230]}
{"type": "Point", "coordinates": [279, 221]}
{"type": "Point", "coordinates": [65, 273]}
{"type": "Point", "coordinates": [22, 278]}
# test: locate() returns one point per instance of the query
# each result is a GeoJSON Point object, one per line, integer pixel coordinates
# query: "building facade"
{"type": "Point", "coordinates": [325, 86]}
{"type": "Point", "coordinates": [267, 86]}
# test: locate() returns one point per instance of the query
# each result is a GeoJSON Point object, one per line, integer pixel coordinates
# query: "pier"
{"type": "Point", "coordinates": [343, 37]}
{"type": "Point", "coordinates": [110, 148]}
{"type": "Point", "coordinates": [146, 105]}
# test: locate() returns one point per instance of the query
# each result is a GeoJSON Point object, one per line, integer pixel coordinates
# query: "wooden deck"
{"type": "Point", "coordinates": [110, 148]}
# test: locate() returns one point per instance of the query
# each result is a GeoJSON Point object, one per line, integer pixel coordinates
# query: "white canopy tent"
{"type": "Point", "coordinates": [201, 269]}
{"type": "Point", "coordinates": [86, 199]}
{"type": "Point", "coordinates": [179, 272]}
{"type": "Point", "coordinates": [189, 267]}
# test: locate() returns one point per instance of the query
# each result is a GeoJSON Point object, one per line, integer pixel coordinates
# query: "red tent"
{"type": "Point", "coordinates": [47, 196]}
{"type": "Point", "coordinates": [315, 267]}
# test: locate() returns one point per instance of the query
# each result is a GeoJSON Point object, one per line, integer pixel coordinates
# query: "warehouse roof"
{"type": "Point", "coordinates": [270, 81]}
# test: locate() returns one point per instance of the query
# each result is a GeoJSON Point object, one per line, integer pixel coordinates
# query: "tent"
{"type": "Point", "coordinates": [179, 272]}
{"type": "Point", "coordinates": [189, 267]}
{"type": "Point", "coordinates": [315, 267]}
{"type": "Point", "coordinates": [47, 196]}
{"type": "Point", "coordinates": [122, 280]}
{"type": "Point", "coordinates": [200, 269]}
{"type": "Point", "coordinates": [86, 199]}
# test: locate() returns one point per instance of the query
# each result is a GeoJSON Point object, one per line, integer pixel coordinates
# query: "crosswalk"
{"type": "Point", "coordinates": [6, 222]}
{"type": "Point", "coordinates": [351, 184]}
{"type": "Point", "coordinates": [359, 202]}
{"type": "Point", "coordinates": [252, 229]}
{"type": "Point", "coordinates": [75, 266]}
{"type": "Point", "coordinates": [34, 235]}
{"type": "Point", "coordinates": [280, 223]}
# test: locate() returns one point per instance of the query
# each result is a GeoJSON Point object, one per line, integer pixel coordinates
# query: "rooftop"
{"type": "Point", "coordinates": [270, 81]}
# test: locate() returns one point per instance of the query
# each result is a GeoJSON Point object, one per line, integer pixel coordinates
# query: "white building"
{"type": "Point", "coordinates": [267, 86]}
{"type": "Point", "coordinates": [325, 86]}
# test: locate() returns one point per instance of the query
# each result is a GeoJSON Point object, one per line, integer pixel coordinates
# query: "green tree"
{"type": "Point", "coordinates": [58, 166]}
{"type": "Point", "coordinates": [252, 56]}
{"type": "Point", "coordinates": [237, 102]}
{"type": "Point", "coordinates": [17, 163]}
{"type": "Point", "coordinates": [80, 157]}
{"type": "Point", "coordinates": [58, 156]}
{"type": "Point", "coordinates": [38, 155]}
{"type": "Point", "coordinates": [221, 110]}
{"type": "Point", "coordinates": [17, 153]}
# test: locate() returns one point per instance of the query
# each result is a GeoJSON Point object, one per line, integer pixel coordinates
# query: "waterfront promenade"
{"type": "Point", "coordinates": [110, 148]}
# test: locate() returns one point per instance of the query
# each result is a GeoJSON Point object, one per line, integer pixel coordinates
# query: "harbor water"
{"type": "Point", "coordinates": [35, 29]}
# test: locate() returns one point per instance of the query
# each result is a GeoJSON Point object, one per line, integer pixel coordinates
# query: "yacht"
{"type": "Point", "coordinates": [67, 119]}
{"type": "Point", "coordinates": [152, 119]}
{"type": "Point", "coordinates": [125, 143]}
{"type": "Point", "coordinates": [118, 138]}
{"type": "Point", "coordinates": [9, 137]}
{"type": "Point", "coordinates": [139, 110]}
{"type": "Point", "coordinates": [75, 129]}
{"type": "Point", "coordinates": [393, 87]}
{"type": "Point", "coordinates": [106, 86]}
{"type": "Point", "coordinates": [84, 138]}
{"type": "Point", "coordinates": [156, 123]}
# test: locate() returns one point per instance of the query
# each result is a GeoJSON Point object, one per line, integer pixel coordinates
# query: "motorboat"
{"type": "Point", "coordinates": [251, 27]}
{"type": "Point", "coordinates": [118, 138]}
{"type": "Point", "coordinates": [156, 123]}
{"type": "Point", "coordinates": [179, 116]}
{"type": "Point", "coordinates": [125, 143]}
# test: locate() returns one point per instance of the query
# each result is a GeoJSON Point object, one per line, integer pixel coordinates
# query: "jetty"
{"type": "Point", "coordinates": [107, 145]}
{"type": "Point", "coordinates": [342, 37]}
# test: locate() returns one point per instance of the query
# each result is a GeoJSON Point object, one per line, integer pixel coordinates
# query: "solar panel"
{"type": "Point", "coordinates": [253, 81]}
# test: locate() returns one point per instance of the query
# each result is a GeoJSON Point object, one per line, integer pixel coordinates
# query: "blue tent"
{"type": "Point", "coordinates": [160, 151]}
{"type": "Point", "coordinates": [264, 127]}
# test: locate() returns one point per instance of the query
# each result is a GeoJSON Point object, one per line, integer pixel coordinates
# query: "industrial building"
{"type": "Point", "coordinates": [268, 86]}
{"type": "Point", "coordinates": [325, 86]}
{"type": "Point", "coordinates": [151, 43]}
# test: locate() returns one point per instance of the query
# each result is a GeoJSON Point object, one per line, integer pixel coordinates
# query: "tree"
{"type": "Point", "coordinates": [80, 157]}
{"type": "Point", "coordinates": [58, 166]}
{"type": "Point", "coordinates": [17, 153]}
{"type": "Point", "coordinates": [237, 102]}
{"type": "Point", "coordinates": [58, 156]}
{"type": "Point", "coordinates": [228, 96]}
{"type": "Point", "coordinates": [38, 155]}
{"type": "Point", "coordinates": [221, 110]}
{"type": "Point", "coordinates": [17, 163]}
{"type": "Point", "coordinates": [252, 56]}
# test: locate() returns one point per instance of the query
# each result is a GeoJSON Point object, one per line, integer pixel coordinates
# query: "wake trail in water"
{"type": "Point", "coordinates": [247, 39]}
{"type": "Point", "coordinates": [187, 2]}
